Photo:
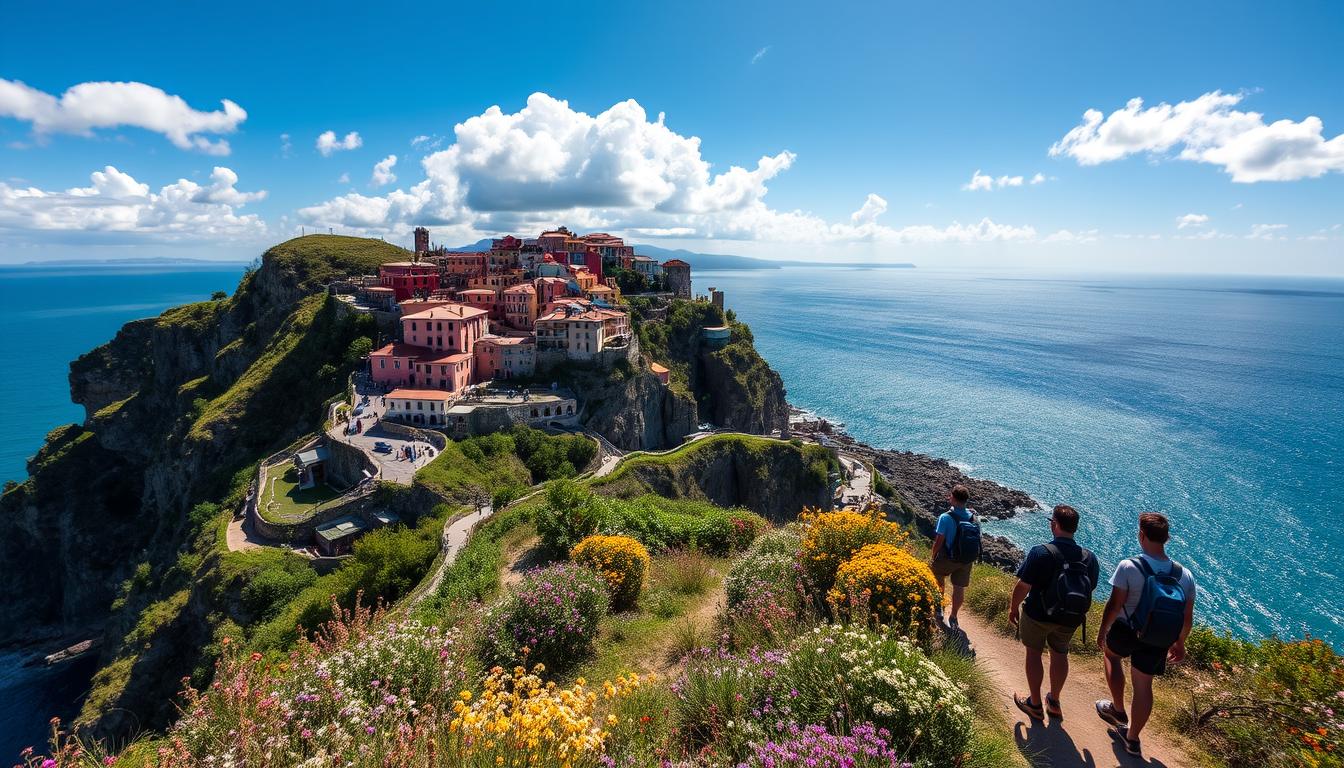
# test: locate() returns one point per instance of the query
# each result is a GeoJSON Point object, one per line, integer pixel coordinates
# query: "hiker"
{"type": "Point", "coordinates": [1147, 619]}
{"type": "Point", "coordinates": [956, 547]}
{"type": "Point", "coordinates": [1051, 599]}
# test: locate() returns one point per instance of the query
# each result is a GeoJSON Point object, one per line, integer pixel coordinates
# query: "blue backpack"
{"type": "Point", "coordinates": [1160, 615]}
{"type": "Point", "coordinates": [966, 541]}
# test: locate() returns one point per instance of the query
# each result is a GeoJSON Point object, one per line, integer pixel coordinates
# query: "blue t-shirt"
{"type": "Point", "coordinates": [947, 526]}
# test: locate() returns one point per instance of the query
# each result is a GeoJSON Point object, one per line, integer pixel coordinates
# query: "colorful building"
{"type": "Point", "coordinates": [409, 279]}
{"type": "Point", "coordinates": [520, 306]}
{"type": "Point", "coordinates": [449, 373]}
{"type": "Point", "coordinates": [582, 331]}
{"type": "Point", "coordinates": [418, 406]}
{"type": "Point", "coordinates": [505, 357]}
{"type": "Point", "coordinates": [450, 328]}
{"type": "Point", "coordinates": [394, 364]}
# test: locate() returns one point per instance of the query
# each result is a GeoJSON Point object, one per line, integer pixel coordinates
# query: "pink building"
{"type": "Point", "coordinates": [484, 299]}
{"type": "Point", "coordinates": [450, 328]}
{"type": "Point", "coordinates": [505, 357]}
{"type": "Point", "coordinates": [394, 364]}
{"type": "Point", "coordinates": [448, 373]}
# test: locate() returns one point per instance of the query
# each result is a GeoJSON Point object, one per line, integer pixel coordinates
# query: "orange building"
{"type": "Point", "coordinates": [520, 306]}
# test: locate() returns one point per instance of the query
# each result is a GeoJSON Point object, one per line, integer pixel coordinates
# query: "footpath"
{"type": "Point", "coordinates": [1080, 740]}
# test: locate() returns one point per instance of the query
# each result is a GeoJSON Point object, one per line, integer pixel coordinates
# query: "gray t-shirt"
{"type": "Point", "coordinates": [1129, 577]}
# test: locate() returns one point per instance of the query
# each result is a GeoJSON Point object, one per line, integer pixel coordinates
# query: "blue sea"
{"type": "Point", "coordinates": [48, 317]}
{"type": "Point", "coordinates": [1217, 400]}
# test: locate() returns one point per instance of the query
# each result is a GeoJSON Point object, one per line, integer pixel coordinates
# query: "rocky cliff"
{"type": "Point", "coordinates": [773, 478]}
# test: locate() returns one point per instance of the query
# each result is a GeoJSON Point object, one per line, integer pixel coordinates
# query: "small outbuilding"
{"type": "Point", "coordinates": [312, 466]}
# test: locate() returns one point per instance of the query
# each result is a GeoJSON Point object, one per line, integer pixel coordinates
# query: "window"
{"type": "Point", "coordinates": [412, 325]}
{"type": "Point", "coordinates": [396, 364]}
{"type": "Point", "coordinates": [419, 405]}
{"type": "Point", "coordinates": [382, 362]}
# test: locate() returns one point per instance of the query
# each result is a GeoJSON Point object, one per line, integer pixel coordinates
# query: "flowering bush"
{"type": "Point", "coordinates": [622, 563]}
{"type": "Point", "coordinates": [813, 747]}
{"type": "Point", "coordinates": [723, 699]}
{"type": "Point", "coordinates": [1271, 703]}
{"type": "Point", "coordinates": [519, 721]}
{"type": "Point", "coordinates": [872, 677]}
{"type": "Point", "coordinates": [889, 586]}
{"type": "Point", "coordinates": [830, 538]}
{"type": "Point", "coordinates": [549, 618]}
{"type": "Point", "coordinates": [764, 594]}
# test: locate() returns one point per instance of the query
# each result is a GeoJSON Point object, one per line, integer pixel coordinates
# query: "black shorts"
{"type": "Point", "coordinates": [1148, 659]}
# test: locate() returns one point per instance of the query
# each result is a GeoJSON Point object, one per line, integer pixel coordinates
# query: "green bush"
{"type": "Point", "coordinates": [550, 618]}
{"type": "Point", "coordinates": [274, 586]}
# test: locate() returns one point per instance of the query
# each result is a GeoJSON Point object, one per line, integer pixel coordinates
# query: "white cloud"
{"type": "Point", "coordinates": [1267, 231]}
{"type": "Point", "coordinates": [760, 54]}
{"type": "Point", "coordinates": [427, 142]}
{"type": "Point", "coordinates": [382, 171]}
{"type": "Point", "coordinates": [983, 182]}
{"type": "Point", "coordinates": [1207, 130]}
{"type": "Point", "coordinates": [1039, 178]}
{"type": "Point", "coordinates": [286, 146]}
{"type": "Point", "coordinates": [1067, 236]}
{"type": "Point", "coordinates": [87, 106]}
{"type": "Point", "coordinates": [617, 171]}
{"type": "Point", "coordinates": [344, 178]}
{"type": "Point", "coordinates": [1191, 220]}
{"type": "Point", "coordinates": [116, 203]}
{"type": "Point", "coordinates": [327, 142]}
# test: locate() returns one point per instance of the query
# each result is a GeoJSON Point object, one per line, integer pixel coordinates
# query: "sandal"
{"type": "Point", "coordinates": [1033, 711]}
{"type": "Point", "coordinates": [1121, 734]}
{"type": "Point", "coordinates": [1052, 707]}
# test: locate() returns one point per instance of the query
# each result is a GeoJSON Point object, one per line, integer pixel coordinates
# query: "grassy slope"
{"type": "Point", "coordinates": [683, 459]}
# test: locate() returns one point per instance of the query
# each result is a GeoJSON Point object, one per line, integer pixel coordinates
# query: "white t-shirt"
{"type": "Point", "coordinates": [1130, 577]}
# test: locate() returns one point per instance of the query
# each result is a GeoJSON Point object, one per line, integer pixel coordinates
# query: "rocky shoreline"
{"type": "Point", "coordinates": [922, 483]}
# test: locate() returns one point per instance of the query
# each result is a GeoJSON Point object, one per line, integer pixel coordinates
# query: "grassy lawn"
{"type": "Point", "coordinates": [285, 502]}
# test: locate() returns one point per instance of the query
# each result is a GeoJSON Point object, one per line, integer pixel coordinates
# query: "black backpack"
{"type": "Point", "coordinates": [966, 543]}
{"type": "Point", "coordinates": [1067, 598]}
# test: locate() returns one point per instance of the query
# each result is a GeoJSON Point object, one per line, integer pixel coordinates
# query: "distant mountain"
{"type": "Point", "coordinates": [705, 261]}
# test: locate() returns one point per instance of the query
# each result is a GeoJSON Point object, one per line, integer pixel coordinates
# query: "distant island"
{"type": "Point", "coordinates": [711, 261]}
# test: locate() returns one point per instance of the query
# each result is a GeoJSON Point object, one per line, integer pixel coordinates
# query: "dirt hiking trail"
{"type": "Point", "coordinates": [1080, 740]}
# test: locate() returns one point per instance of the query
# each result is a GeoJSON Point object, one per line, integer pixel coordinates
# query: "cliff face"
{"type": "Point", "coordinates": [772, 478]}
{"type": "Point", "coordinates": [730, 387]}
{"type": "Point", "coordinates": [636, 412]}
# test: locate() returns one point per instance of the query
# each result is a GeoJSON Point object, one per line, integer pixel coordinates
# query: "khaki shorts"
{"type": "Point", "coordinates": [946, 566]}
{"type": "Point", "coordinates": [1036, 635]}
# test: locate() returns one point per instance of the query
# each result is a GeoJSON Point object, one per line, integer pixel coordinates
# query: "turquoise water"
{"type": "Point", "coordinates": [1218, 400]}
{"type": "Point", "coordinates": [48, 317]}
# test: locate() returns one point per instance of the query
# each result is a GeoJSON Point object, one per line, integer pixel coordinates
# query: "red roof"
{"type": "Point", "coordinates": [456, 357]}
{"type": "Point", "coordinates": [398, 349]}
{"type": "Point", "coordinates": [675, 263]}
{"type": "Point", "coordinates": [447, 312]}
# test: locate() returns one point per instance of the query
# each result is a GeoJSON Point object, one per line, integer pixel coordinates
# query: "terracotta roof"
{"type": "Point", "coordinates": [675, 263]}
{"type": "Point", "coordinates": [506, 340]}
{"type": "Point", "coordinates": [398, 349]}
{"type": "Point", "coordinates": [476, 292]}
{"type": "Point", "coordinates": [420, 394]}
{"type": "Point", "coordinates": [456, 357]}
{"type": "Point", "coordinates": [448, 312]}
{"type": "Point", "coordinates": [658, 368]}
{"type": "Point", "coordinates": [521, 288]}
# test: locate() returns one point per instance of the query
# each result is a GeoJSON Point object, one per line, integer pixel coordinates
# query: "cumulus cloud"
{"type": "Point", "coordinates": [87, 106]}
{"type": "Point", "coordinates": [115, 202]}
{"type": "Point", "coordinates": [983, 182]}
{"type": "Point", "coordinates": [1207, 130]}
{"type": "Point", "coordinates": [327, 142]}
{"type": "Point", "coordinates": [1191, 220]}
{"type": "Point", "coordinates": [382, 171]}
{"type": "Point", "coordinates": [618, 170]}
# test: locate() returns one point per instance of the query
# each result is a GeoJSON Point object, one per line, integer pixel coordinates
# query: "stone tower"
{"type": "Point", "coordinates": [421, 240]}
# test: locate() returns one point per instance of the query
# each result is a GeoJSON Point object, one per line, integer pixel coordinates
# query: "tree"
{"type": "Point", "coordinates": [219, 296]}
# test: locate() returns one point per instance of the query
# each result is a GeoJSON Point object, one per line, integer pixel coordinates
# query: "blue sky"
{"type": "Point", "coordinates": [832, 131]}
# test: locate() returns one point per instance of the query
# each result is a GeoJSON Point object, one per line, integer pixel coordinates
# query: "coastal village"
{"type": "Point", "coordinates": [468, 340]}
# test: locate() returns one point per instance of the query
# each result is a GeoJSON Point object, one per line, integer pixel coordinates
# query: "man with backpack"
{"type": "Point", "coordinates": [956, 547]}
{"type": "Point", "coordinates": [1056, 581]}
{"type": "Point", "coordinates": [1147, 619]}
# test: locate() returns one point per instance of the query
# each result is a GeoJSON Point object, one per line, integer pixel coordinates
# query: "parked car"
{"type": "Point", "coordinates": [382, 447]}
{"type": "Point", "coordinates": [359, 410]}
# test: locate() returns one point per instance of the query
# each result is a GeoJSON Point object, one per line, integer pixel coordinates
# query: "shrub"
{"type": "Point", "coordinates": [722, 699]}
{"type": "Point", "coordinates": [550, 618]}
{"type": "Point", "coordinates": [570, 514]}
{"type": "Point", "coordinates": [871, 677]}
{"type": "Point", "coordinates": [887, 585]}
{"type": "Point", "coordinates": [686, 572]}
{"type": "Point", "coordinates": [622, 563]}
{"type": "Point", "coordinates": [764, 596]}
{"type": "Point", "coordinates": [813, 747]}
{"type": "Point", "coordinates": [830, 538]}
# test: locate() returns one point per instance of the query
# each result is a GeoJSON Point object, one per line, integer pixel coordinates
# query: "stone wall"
{"type": "Point", "coordinates": [347, 464]}
{"type": "Point", "coordinates": [432, 437]}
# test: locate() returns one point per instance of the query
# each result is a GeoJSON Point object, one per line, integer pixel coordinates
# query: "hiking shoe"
{"type": "Point", "coordinates": [1031, 709]}
{"type": "Point", "coordinates": [1052, 707]}
{"type": "Point", "coordinates": [1106, 711]}
{"type": "Point", "coordinates": [952, 622]}
{"type": "Point", "coordinates": [1121, 733]}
